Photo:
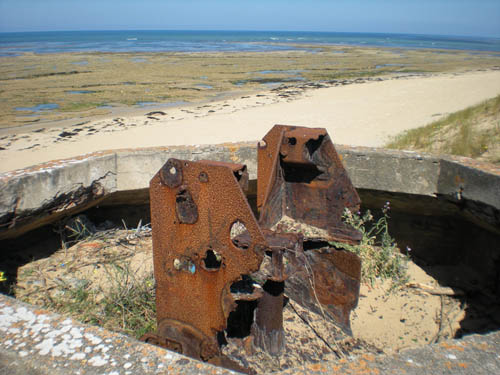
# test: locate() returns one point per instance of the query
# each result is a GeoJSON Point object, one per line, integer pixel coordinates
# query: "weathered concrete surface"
{"type": "Point", "coordinates": [40, 342]}
{"type": "Point", "coordinates": [474, 354]}
{"type": "Point", "coordinates": [391, 171]}
{"type": "Point", "coordinates": [41, 194]}
{"type": "Point", "coordinates": [35, 341]}
{"type": "Point", "coordinates": [38, 195]}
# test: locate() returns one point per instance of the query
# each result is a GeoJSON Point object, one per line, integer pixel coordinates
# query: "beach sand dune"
{"type": "Point", "coordinates": [363, 114]}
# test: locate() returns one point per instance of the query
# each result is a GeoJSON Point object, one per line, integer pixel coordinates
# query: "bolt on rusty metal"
{"type": "Point", "coordinates": [211, 256]}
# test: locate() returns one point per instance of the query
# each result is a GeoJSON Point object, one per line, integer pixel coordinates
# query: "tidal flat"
{"type": "Point", "coordinates": [42, 88]}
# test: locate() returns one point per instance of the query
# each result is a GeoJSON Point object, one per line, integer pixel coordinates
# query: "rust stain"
{"type": "Point", "coordinates": [451, 346]}
{"type": "Point", "coordinates": [232, 149]}
{"type": "Point", "coordinates": [459, 180]}
{"type": "Point", "coordinates": [316, 367]}
{"type": "Point", "coordinates": [369, 357]}
{"type": "Point", "coordinates": [480, 345]}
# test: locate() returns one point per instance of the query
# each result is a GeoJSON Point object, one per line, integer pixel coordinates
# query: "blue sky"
{"type": "Point", "coordinates": [445, 17]}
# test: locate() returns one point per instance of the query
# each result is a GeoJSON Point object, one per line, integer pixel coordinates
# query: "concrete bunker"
{"type": "Point", "coordinates": [446, 210]}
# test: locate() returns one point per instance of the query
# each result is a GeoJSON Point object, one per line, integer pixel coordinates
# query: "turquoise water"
{"type": "Point", "coordinates": [204, 86]}
{"type": "Point", "coordinates": [12, 44]}
{"type": "Point", "coordinates": [39, 107]}
{"type": "Point", "coordinates": [81, 92]}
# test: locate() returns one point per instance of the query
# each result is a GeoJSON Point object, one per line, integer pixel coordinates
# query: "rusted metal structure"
{"type": "Point", "coordinates": [194, 208]}
{"type": "Point", "coordinates": [300, 175]}
{"type": "Point", "coordinates": [215, 264]}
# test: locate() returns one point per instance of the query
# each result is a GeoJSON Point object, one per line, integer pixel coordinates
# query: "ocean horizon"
{"type": "Point", "coordinates": [16, 43]}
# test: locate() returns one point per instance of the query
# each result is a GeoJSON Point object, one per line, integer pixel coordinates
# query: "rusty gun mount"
{"type": "Point", "coordinates": [300, 176]}
{"type": "Point", "coordinates": [211, 256]}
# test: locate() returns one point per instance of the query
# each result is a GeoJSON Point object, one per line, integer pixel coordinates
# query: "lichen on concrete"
{"type": "Point", "coordinates": [34, 341]}
{"type": "Point", "coordinates": [38, 341]}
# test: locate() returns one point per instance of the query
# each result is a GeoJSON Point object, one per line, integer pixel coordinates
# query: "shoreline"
{"type": "Point", "coordinates": [35, 89]}
{"type": "Point", "coordinates": [360, 112]}
{"type": "Point", "coordinates": [116, 111]}
{"type": "Point", "coordinates": [279, 93]}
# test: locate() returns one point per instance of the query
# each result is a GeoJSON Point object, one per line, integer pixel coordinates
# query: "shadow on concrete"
{"type": "Point", "coordinates": [458, 253]}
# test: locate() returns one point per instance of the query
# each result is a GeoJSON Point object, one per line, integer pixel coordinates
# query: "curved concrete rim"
{"type": "Point", "coordinates": [41, 342]}
{"type": "Point", "coordinates": [38, 195]}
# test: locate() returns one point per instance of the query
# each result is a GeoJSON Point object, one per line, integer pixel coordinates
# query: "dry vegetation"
{"type": "Point", "coordinates": [85, 84]}
{"type": "Point", "coordinates": [104, 277]}
{"type": "Point", "coordinates": [473, 132]}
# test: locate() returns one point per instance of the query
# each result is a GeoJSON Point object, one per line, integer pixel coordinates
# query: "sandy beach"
{"type": "Point", "coordinates": [363, 112]}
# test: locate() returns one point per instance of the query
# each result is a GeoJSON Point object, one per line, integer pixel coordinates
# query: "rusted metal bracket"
{"type": "Point", "coordinates": [195, 207]}
{"type": "Point", "coordinates": [211, 256]}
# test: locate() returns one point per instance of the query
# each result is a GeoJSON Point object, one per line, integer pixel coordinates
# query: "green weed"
{"type": "Point", "coordinates": [380, 256]}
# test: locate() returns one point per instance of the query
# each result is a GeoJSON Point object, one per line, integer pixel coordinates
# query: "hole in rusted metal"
{"type": "Point", "coordinates": [186, 209]}
{"type": "Point", "coordinates": [184, 264]}
{"type": "Point", "coordinates": [305, 173]}
{"type": "Point", "coordinates": [313, 145]}
{"type": "Point", "coordinates": [262, 144]}
{"type": "Point", "coordinates": [239, 322]}
{"type": "Point", "coordinates": [245, 285]}
{"type": "Point", "coordinates": [203, 177]}
{"type": "Point", "coordinates": [221, 338]}
{"type": "Point", "coordinates": [292, 141]}
{"type": "Point", "coordinates": [240, 237]}
{"type": "Point", "coordinates": [212, 261]}
{"type": "Point", "coordinates": [171, 173]}
{"type": "Point", "coordinates": [274, 288]}
{"type": "Point", "coordinates": [315, 244]}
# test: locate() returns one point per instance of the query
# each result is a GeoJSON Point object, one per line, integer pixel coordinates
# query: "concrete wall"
{"type": "Point", "coordinates": [40, 342]}
{"type": "Point", "coordinates": [38, 195]}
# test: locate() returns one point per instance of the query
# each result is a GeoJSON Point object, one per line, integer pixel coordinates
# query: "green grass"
{"type": "Point", "coordinates": [473, 132]}
{"type": "Point", "coordinates": [124, 304]}
{"type": "Point", "coordinates": [79, 106]}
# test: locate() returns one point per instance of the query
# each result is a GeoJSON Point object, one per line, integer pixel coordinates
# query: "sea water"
{"type": "Point", "coordinates": [12, 44]}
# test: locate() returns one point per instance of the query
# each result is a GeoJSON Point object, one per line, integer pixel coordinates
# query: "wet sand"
{"type": "Point", "coordinates": [363, 112]}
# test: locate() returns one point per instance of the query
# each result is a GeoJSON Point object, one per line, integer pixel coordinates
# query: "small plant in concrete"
{"type": "Point", "coordinates": [380, 256]}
